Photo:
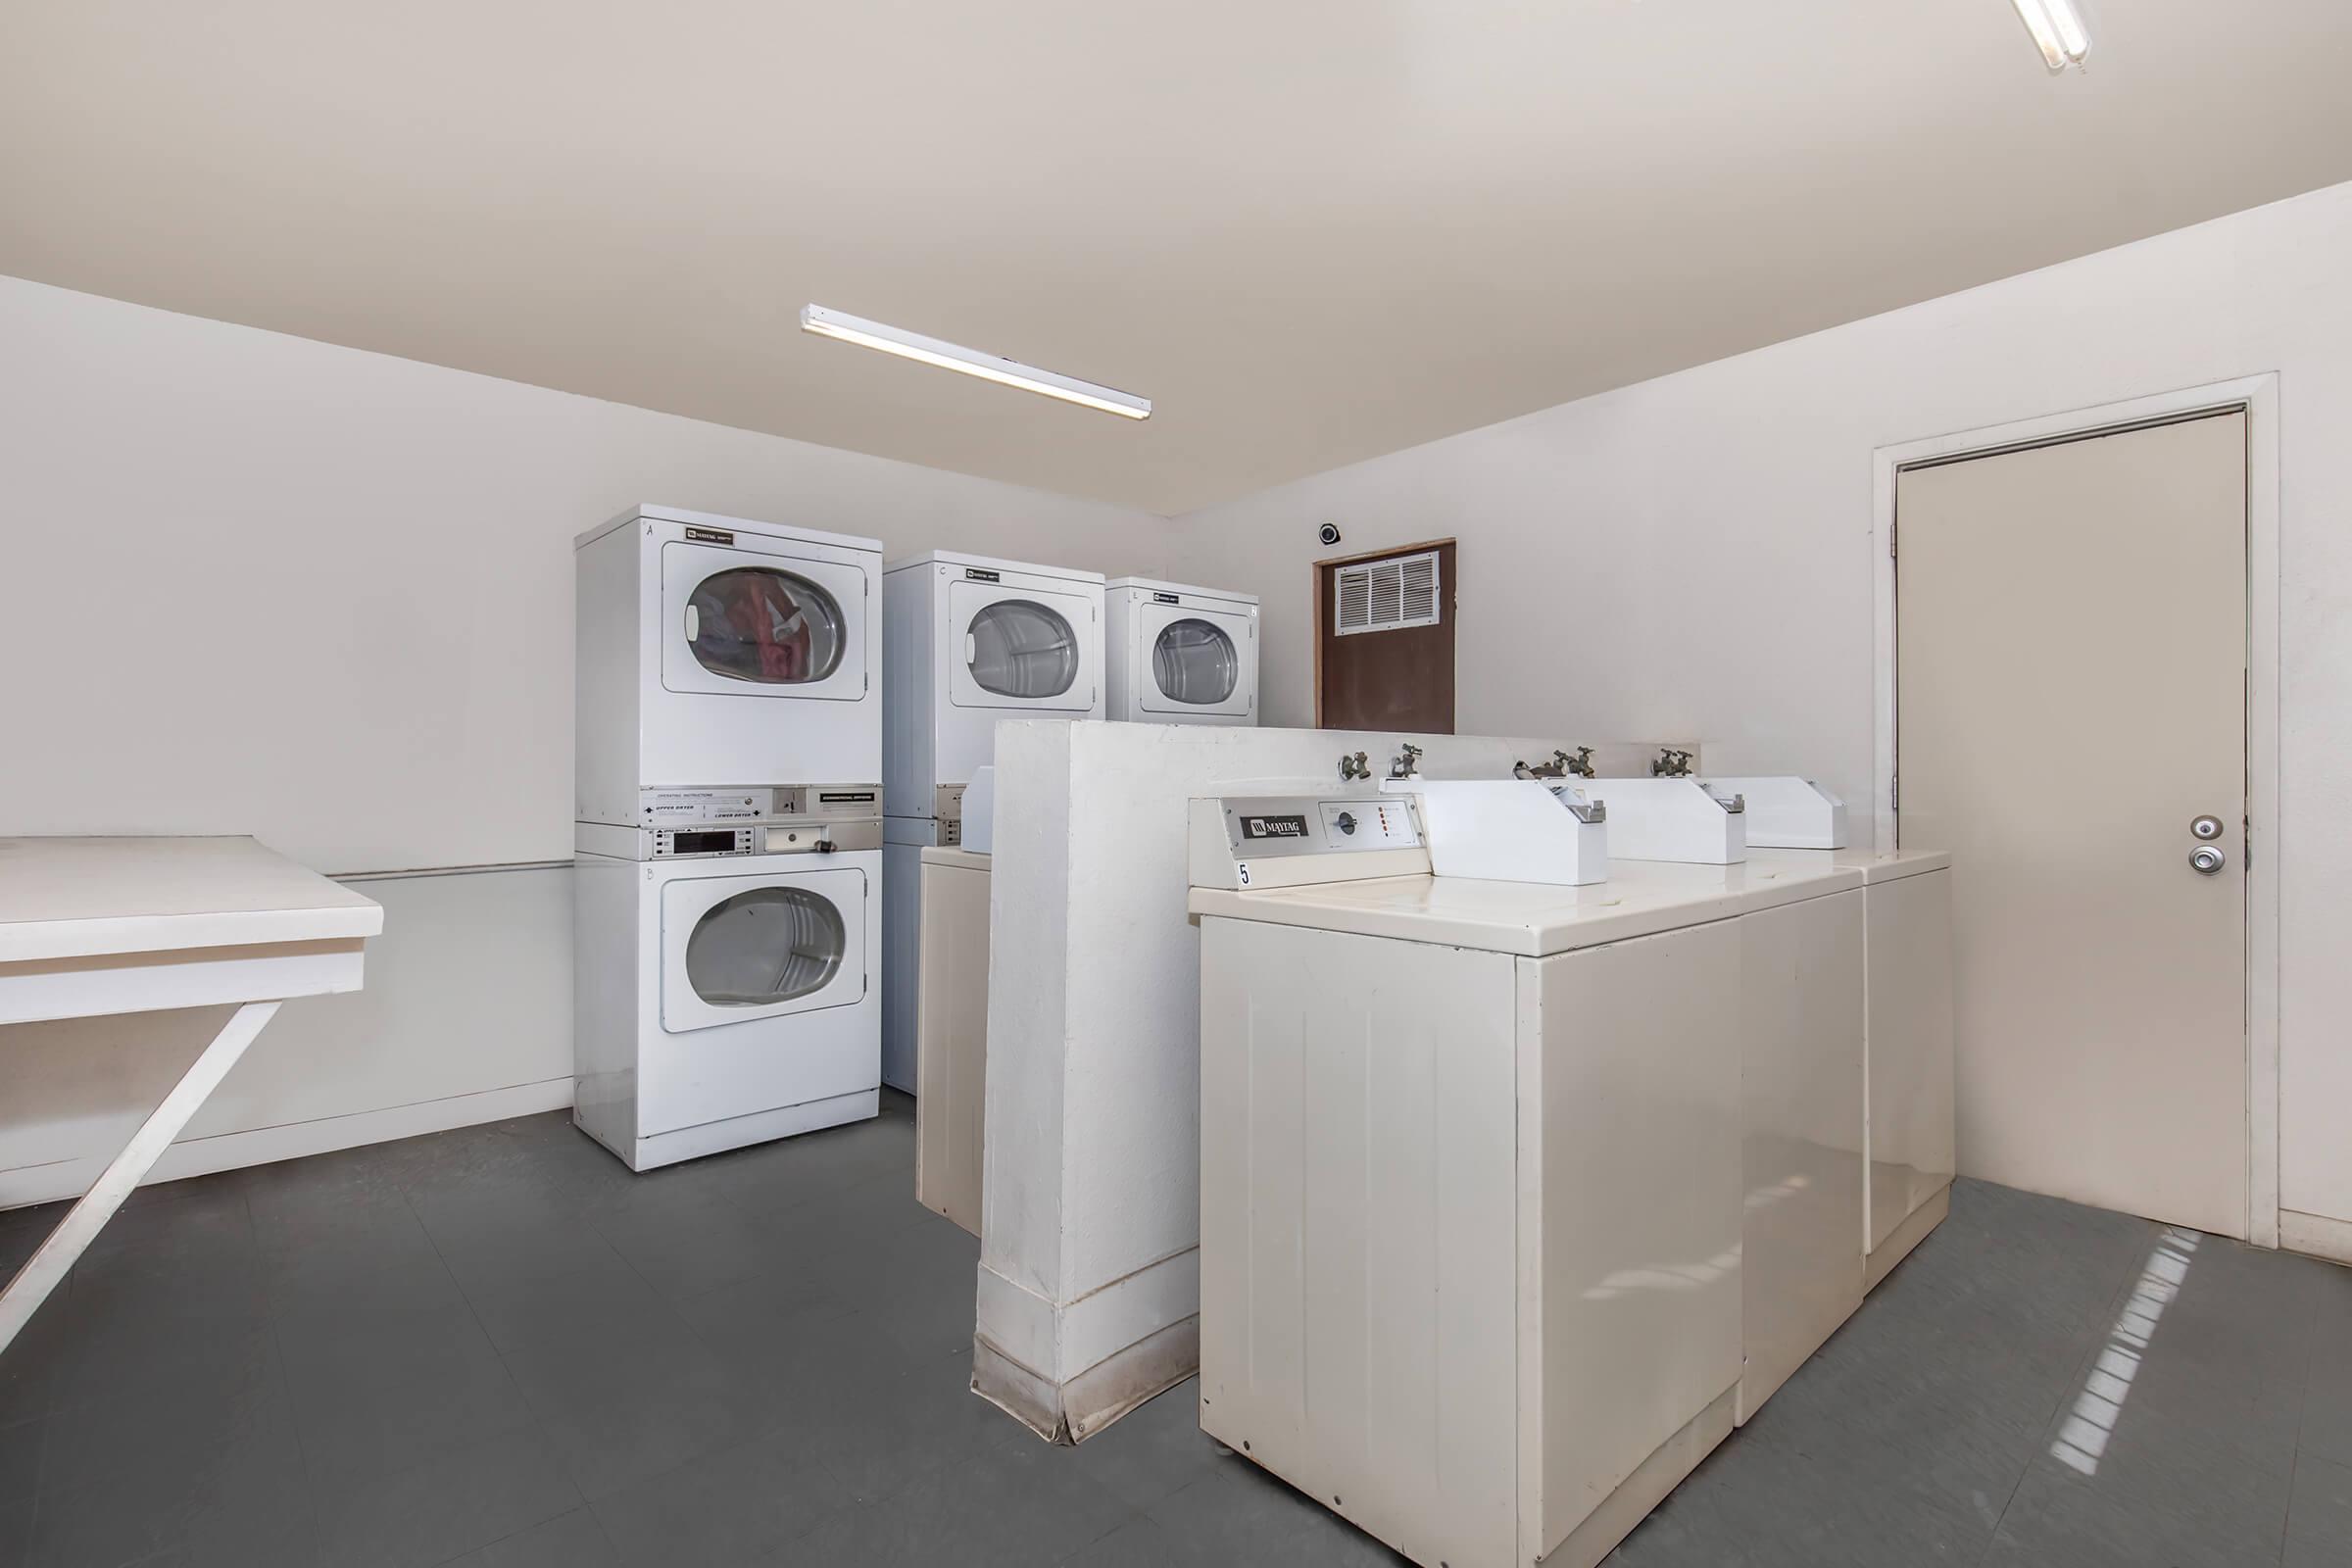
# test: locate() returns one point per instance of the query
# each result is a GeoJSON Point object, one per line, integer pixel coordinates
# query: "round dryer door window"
{"type": "Point", "coordinates": [757, 623]}
{"type": "Point", "coordinates": [1195, 663]}
{"type": "Point", "coordinates": [1018, 648]}
{"type": "Point", "coordinates": [765, 945]}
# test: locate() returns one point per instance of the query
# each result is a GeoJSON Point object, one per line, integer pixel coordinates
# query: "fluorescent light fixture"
{"type": "Point", "coordinates": [2057, 30]}
{"type": "Point", "coordinates": [971, 361]}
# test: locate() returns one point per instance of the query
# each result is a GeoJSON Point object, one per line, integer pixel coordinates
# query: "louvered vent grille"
{"type": "Point", "coordinates": [1417, 588]}
{"type": "Point", "coordinates": [1388, 595]}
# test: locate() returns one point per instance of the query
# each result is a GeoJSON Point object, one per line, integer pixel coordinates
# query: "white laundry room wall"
{"type": "Point", "coordinates": [1694, 555]}
{"type": "Point", "coordinates": [251, 583]}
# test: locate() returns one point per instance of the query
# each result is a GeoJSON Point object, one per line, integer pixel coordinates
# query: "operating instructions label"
{"type": "Point", "coordinates": [706, 806]}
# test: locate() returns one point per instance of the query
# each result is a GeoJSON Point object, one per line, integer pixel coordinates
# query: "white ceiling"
{"type": "Point", "coordinates": [1311, 230]}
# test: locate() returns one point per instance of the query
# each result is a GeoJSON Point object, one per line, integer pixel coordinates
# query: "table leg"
{"type": "Point", "coordinates": [49, 1266]}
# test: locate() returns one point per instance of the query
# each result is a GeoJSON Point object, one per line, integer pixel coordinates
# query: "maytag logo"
{"type": "Point", "coordinates": [1273, 827]}
{"type": "Point", "coordinates": [711, 536]}
{"type": "Point", "coordinates": [983, 575]}
{"type": "Point", "coordinates": [1166, 599]}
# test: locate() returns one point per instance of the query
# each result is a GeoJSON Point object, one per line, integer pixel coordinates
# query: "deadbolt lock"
{"type": "Point", "coordinates": [2206, 827]}
{"type": "Point", "coordinates": [2207, 858]}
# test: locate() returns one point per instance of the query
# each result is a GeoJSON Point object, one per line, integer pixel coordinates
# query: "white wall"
{"type": "Point", "coordinates": [1692, 554]}
{"type": "Point", "coordinates": [324, 596]}
{"type": "Point", "coordinates": [255, 584]}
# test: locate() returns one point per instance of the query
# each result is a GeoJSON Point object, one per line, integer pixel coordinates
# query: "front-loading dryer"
{"type": "Point", "coordinates": [1180, 655]}
{"type": "Point", "coordinates": [716, 654]}
{"type": "Point", "coordinates": [972, 640]}
{"type": "Point", "coordinates": [725, 987]}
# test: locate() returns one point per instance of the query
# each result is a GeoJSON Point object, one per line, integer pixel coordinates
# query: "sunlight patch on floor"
{"type": "Point", "coordinates": [2108, 1383]}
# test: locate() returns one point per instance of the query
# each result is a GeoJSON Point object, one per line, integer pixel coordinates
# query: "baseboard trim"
{"type": "Point", "coordinates": [264, 1145]}
{"type": "Point", "coordinates": [1111, 1388]}
{"type": "Point", "coordinates": [1023, 1395]}
{"type": "Point", "coordinates": [2315, 1235]}
{"type": "Point", "coordinates": [1096, 1397]}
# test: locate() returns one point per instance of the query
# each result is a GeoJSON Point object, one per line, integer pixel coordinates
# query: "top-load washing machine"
{"type": "Point", "coordinates": [1180, 655]}
{"type": "Point", "coordinates": [719, 659]}
{"type": "Point", "coordinates": [972, 640]}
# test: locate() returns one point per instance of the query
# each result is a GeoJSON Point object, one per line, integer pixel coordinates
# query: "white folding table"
{"type": "Point", "coordinates": [97, 926]}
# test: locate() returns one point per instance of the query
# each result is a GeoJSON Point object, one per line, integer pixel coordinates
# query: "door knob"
{"type": "Point", "coordinates": [2206, 827]}
{"type": "Point", "coordinates": [2208, 859]}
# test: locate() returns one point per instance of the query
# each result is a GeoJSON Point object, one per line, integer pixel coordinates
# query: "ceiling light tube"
{"type": "Point", "coordinates": [2057, 30]}
{"type": "Point", "coordinates": [971, 361]}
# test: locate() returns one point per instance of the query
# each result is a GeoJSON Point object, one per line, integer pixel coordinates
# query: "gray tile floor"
{"type": "Point", "coordinates": [496, 1347]}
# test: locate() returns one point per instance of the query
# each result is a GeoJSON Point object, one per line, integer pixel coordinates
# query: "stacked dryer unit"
{"type": "Point", "coordinates": [972, 640]}
{"type": "Point", "coordinates": [1180, 655]}
{"type": "Point", "coordinates": [728, 833]}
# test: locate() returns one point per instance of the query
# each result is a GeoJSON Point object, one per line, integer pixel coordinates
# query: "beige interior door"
{"type": "Point", "coordinates": [2071, 637]}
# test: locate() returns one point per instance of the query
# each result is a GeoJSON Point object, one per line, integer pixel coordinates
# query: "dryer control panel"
{"type": "Point", "coordinates": [1262, 841]}
{"type": "Point", "coordinates": [670, 843]}
{"type": "Point", "coordinates": [799, 835]}
{"type": "Point", "coordinates": [749, 803]}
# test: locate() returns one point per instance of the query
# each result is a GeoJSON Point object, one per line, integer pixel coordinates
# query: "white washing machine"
{"type": "Point", "coordinates": [725, 990]}
{"type": "Point", "coordinates": [1180, 655]}
{"type": "Point", "coordinates": [972, 640]}
{"type": "Point", "coordinates": [716, 654]}
{"type": "Point", "coordinates": [1470, 1181]}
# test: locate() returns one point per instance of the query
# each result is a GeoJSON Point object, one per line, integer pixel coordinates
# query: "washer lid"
{"type": "Point", "coordinates": [1528, 918]}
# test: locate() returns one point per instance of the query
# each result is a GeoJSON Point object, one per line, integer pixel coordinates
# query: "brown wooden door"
{"type": "Point", "coordinates": [1398, 679]}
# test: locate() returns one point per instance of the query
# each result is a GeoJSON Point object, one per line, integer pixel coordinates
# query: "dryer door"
{"type": "Point", "coordinates": [1023, 649]}
{"type": "Point", "coordinates": [742, 622]}
{"type": "Point", "coordinates": [761, 946]}
{"type": "Point", "coordinates": [1201, 660]}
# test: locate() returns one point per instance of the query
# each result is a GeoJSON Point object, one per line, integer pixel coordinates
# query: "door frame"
{"type": "Point", "coordinates": [1323, 600]}
{"type": "Point", "coordinates": [2257, 397]}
